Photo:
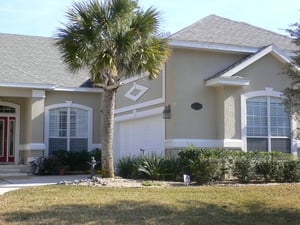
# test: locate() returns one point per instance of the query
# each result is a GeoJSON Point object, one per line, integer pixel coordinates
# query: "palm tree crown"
{"type": "Point", "coordinates": [113, 40]}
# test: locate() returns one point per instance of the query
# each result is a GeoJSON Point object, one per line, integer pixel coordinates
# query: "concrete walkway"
{"type": "Point", "coordinates": [12, 183]}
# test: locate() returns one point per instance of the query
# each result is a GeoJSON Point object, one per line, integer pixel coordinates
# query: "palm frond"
{"type": "Point", "coordinates": [112, 38]}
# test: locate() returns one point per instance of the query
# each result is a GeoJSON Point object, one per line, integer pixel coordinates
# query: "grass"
{"type": "Point", "coordinates": [215, 205]}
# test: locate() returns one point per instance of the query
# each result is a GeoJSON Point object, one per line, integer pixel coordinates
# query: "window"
{"type": "Point", "coordinates": [268, 125]}
{"type": "Point", "coordinates": [68, 129]}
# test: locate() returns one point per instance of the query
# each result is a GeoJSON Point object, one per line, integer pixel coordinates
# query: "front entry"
{"type": "Point", "coordinates": [7, 138]}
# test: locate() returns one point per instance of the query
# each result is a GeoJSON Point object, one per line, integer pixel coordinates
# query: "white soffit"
{"type": "Point", "coordinates": [227, 81]}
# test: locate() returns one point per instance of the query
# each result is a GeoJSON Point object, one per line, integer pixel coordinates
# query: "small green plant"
{"type": "Point", "coordinates": [148, 183]}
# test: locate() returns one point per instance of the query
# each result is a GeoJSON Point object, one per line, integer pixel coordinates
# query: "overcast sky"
{"type": "Point", "coordinates": [43, 17]}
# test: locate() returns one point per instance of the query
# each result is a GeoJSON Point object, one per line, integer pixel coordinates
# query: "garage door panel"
{"type": "Point", "coordinates": [146, 134]}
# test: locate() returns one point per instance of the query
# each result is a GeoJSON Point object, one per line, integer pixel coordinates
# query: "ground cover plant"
{"type": "Point", "coordinates": [234, 205]}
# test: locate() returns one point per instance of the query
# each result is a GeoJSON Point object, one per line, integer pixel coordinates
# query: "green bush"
{"type": "Point", "coordinates": [244, 166]}
{"type": "Point", "coordinates": [265, 166]}
{"type": "Point", "coordinates": [148, 167]}
{"type": "Point", "coordinates": [127, 167]}
{"type": "Point", "coordinates": [287, 171]}
{"type": "Point", "coordinates": [158, 167]}
{"type": "Point", "coordinates": [205, 165]}
{"type": "Point", "coordinates": [74, 161]}
{"type": "Point", "coordinates": [212, 165]}
{"type": "Point", "coordinates": [51, 166]}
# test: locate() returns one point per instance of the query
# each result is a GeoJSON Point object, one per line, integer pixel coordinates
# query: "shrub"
{"type": "Point", "coordinates": [243, 166]}
{"type": "Point", "coordinates": [127, 167]}
{"type": "Point", "coordinates": [74, 161]}
{"type": "Point", "coordinates": [287, 171]}
{"type": "Point", "coordinates": [205, 165]}
{"type": "Point", "coordinates": [156, 167]}
{"type": "Point", "coordinates": [78, 161]}
{"type": "Point", "coordinates": [265, 166]}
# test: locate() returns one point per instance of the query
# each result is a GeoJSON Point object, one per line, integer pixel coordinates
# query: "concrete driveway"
{"type": "Point", "coordinates": [13, 183]}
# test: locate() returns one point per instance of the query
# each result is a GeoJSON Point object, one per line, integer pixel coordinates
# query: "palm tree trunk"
{"type": "Point", "coordinates": [107, 133]}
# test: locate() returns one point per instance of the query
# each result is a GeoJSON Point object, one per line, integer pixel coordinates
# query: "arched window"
{"type": "Point", "coordinates": [267, 126]}
{"type": "Point", "coordinates": [69, 128]}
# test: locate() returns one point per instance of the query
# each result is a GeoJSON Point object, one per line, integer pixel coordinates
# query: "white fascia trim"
{"type": "Point", "coordinates": [138, 115]}
{"type": "Point", "coordinates": [50, 87]}
{"type": "Point", "coordinates": [204, 143]}
{"type": "Point", "coordinates": [26, 85]}
{"type": "Point", "coordinates": [285, 56]}
{"type": "Point", "coordinates": [79, 89]}
{"type": "Point", "coordinates": [256, 57]}
{"type": "Point", "coordinates": [227, 81]}
{"type": "Point", "coordinates": [141, 105]}
{"type": "Point", "coordinates": [133, 79]}
{"type": "Point", "coordinates": [32, 146]}
{"type": "Point", "coordinates": [211, 46]}
{"type": "Point", "coordinates": [137, 77]}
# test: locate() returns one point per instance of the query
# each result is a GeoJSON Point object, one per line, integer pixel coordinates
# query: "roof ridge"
{"type": "Point", "coordinates": [217, 29]}
{"type": "Point", "coordinates": [254, 26]}
{"type": "Point", "coordinates": [25, 35]}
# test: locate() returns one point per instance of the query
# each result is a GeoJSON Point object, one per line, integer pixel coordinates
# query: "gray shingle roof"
{"type": "Point", "coordinates": [219, 30]}
{"type": "Point", "coordinates": [34, 60]}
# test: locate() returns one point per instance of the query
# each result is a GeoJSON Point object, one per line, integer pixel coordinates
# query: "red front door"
{"type": "Point", "coordinates": [7, 139]}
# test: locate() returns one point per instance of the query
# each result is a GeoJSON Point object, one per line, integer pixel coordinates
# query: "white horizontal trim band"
{"type": "Point", "coordinates": [138, 115]}
{"type": "Point", "coordinates": [33, 146]}
{"type": "Point", "coordinates": [141, 105]}
{"type": "Point", "coordinates": [205, 143]}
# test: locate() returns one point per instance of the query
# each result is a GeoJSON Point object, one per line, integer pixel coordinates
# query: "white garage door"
{"type": "Point", "coordinates": [134, 137]}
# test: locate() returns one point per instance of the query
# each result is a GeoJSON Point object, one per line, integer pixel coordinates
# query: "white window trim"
{"type": "Point", "coordinates": [68, 104]}
{"type": "Point", "coordinates": [268, 92]}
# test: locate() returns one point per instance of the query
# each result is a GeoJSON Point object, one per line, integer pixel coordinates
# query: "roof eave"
{"type": "Point", "coordinates": [27, 85]}
{"type": "Point", "coordinates": [49, 87]}
{"type": "Point", "coordinates": [79, 89]}
{"type": "Point", "coordinates": [211, 46]}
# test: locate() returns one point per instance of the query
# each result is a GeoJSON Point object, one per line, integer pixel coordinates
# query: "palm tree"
{"type": "Point", "coordinates": [112, 40]}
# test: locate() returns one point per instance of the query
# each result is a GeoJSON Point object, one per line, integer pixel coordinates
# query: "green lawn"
{"type": "Point", "coordinates": [272, 204]}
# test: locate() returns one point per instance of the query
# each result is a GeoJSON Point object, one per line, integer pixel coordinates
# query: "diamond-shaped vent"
{"type": "Point", "coordinates": [136, 91]}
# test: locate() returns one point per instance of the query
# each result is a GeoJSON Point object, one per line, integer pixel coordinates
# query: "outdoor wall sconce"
{"type": "Point", "coordinates": [167, 112]}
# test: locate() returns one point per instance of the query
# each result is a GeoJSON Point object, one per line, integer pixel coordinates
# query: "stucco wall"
{"type": "Point", "coordinates": [186, 71]}
{"type": "Point", "coordinates": [154, 91]}
{"type": "Point", "coordinates": [266, 72]}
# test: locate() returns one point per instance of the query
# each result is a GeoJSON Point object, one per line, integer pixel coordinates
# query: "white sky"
{"type": "Point", "coordinates": [43, 17]}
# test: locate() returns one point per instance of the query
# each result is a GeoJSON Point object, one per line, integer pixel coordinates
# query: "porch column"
{"type": "Point", "coordinates": [35, 145]}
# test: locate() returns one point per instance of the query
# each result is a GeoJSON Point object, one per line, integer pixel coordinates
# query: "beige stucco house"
{"type": "Point", "coordinates": [42, 106]}
{"type": "Point", "coordinates": [221, 87]}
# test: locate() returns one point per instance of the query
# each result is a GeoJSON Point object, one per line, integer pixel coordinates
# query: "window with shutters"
{"type": "Point", "coordinates": [68, 129]}
{"type": "Point", "coordinates": [268, 125]}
